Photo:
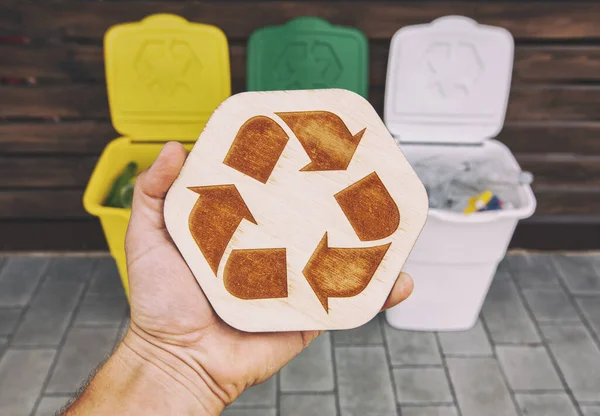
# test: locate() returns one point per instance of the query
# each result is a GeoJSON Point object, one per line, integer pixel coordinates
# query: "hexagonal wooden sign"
{"type": "Point", "coordinates": [296, 210]}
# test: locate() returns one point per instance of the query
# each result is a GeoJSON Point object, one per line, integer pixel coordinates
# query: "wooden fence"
{"type": "Point", "coordinates": [54, 118]}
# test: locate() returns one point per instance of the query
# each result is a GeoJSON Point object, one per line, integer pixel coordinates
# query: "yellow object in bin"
{"type": "Point", "coordinates": [164, 76]}
{"type": "Point", "coordinates": [478, 202]}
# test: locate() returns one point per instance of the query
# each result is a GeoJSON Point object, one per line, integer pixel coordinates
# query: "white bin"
{"type": "Point", "coordinates": [446, 95]}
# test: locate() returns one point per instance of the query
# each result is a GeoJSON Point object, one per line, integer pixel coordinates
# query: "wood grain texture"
{"type": "Point", "coordinates": [577, 138]}
{"type": "Point", "coordinates": [55, 171]}
{"type": "Point", "coordinates": [63, 138]}
{"type": "Point", "coordinates": [256, 273]}
{"type": "Point", "coordinates": [214, 218]}
{"type": "Point", "coordinates": [562, 171]}
{"type": "Point", "coordinates": [42, 204]}
{"type": "Point", "coordinates": [325, 138]}
{"type": "Point", "coordinates": [579, 233]}
{"type": "Point", "coordinates": [341, 272]}
{"type": "Point", "coordinates": [574, 202]}
{"type": "Point", "coordinates": [21, 204]}
{"type": "Point", "coordinates": [54, 101]}
{"type": "Point", "coordinates": [257, 147]}
{"type": "Point", "coordinates": [553, 105]}
{"type": "Point", "coordinates": [339, 267]}
{"type": "Point", "coordinates": [527, 102]}
{"type": "Point", "coordinates": [42, 235]}
{"type": "Point", "coordinates": [74, 62]}
{"type": "Point", "coordinates": [379, 19]}
{"type": "Point", "coordinates": [90, 137]}
{"type": "Point", "coordinates": [45, 172]}
{"type": "Point", "coordinates": [370, 208]}
{"type": "Point", "coordinates": [575, 234]}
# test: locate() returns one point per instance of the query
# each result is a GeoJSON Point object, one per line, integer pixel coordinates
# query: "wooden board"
{"type": "Point", "coordinates": [76, 62]}
{"type": "Point", "coordinates": [296, 210]}
{"type": "Point", "coordinates": [61, 110]}
{"type": "Point", "coordinates": [380, 19]}
{"type": "Point", "coordinates": [576, 233]}
{"type": "Point", "coordinates": [526, 103]}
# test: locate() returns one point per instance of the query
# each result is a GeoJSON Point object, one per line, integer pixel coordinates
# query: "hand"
{"type": "Point", "coordinates": [173, 323]}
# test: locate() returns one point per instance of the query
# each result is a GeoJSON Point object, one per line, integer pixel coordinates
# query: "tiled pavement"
{"type": "Point", "coordinates": [535, 350]}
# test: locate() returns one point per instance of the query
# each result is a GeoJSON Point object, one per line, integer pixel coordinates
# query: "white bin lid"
{"type": "Point", "coordinates": [448, 81]}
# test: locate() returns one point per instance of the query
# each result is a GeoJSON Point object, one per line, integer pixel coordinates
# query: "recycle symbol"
{"type": "Point", "coordinates": [262, 273]}
{"type": "Point", "coordinates": [167, 66]}
{"type": "Point", "coordinates": [308, 65]}
{"type": "Point", "coordinates": [453, 68]}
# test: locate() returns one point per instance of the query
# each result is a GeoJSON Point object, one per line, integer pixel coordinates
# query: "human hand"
{"type": "Point", "coordinates": [172, 323]}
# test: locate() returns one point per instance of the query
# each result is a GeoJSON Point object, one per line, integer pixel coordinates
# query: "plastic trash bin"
{"type": "Point", "coordinates": [447, 91]}
{"type": "Point", "coordinates": [308, 53]}
{"type": "Point", "coordinates": [164, 76]}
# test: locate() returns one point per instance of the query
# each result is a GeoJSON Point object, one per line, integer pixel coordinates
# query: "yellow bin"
{"type": "Point", "coordinates": [164, 77]}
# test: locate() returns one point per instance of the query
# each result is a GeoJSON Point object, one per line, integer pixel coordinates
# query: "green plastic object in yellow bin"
{"type": "Point", "coordinates": [164, 76]}
{"type": "Point", "coordinates": [308, 53]}
{"type": "Point", "coordinates": [121, 192]}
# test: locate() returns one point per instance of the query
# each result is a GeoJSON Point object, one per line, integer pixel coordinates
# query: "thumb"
{"type": "Point", "coordinates": [147, 224]}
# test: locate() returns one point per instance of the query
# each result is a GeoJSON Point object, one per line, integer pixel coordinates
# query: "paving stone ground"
{"type": "Point", "coordinates": [535, 351]}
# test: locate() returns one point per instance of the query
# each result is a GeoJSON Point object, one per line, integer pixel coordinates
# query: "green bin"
{"type": "Point", "coordinates": [308, 53]}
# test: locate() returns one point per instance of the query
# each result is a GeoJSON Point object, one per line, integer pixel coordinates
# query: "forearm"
{"type": "Point", "coordinates": [138, 379]}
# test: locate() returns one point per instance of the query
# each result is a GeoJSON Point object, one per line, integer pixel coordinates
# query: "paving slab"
{"type": "Point", "coordinates": [551, 306]}
{"type": "Point", "coordinates": [546, 404]}
{"type": "Point", "coordinates": [473, 342]}
{"type": "Point", "coordinates": [8, 320]}
{"type": "Point", "coordinates": [422, 386]}
{"type": "Point", "coordinates": [428, 411]}
{"type": "Point", "coordinates": [534, 270]}
{"type": "Point", "coordinates": [528, 368]}
{"type": "Point", "coordinates": [49, 405]}
{"type": "Point", "coordinates": [368, 334]}
{"type": "Point", "coordinates": [580, 272]}
{"type": "Point", "coordinates": [590, 307]}
{"type": "Point", "coordinates": [19, 278]}
{"type": "Point", "coordinates": [102, 310]}
{"type": "Point", "coordinates": [307, 405]}
{"type": "Point", "coordinates": [505, 315]}
{"type": "Point", "coordinates": [412, 347]}
{"type": "Point", "coordinates": [49, 314]}
{"type": "Point", "coordinates": [84, 350]}
{"type": "Point", "coordinates": [364, 384]}
{"type": "Point", "coordinates": [578, 359]}
{"type": "Point", "coordinates": [263, 395]}
{"type": "Point", "coordinates": [22, 374]}
{"type": "Point", "coordinates": [70, 268]}
{"type": "Point", "coordinates": [480, 388]}
{"type": "Point", "coordinates": [311, 370]}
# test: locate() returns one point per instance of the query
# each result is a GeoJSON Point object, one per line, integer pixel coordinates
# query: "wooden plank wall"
{"type": "Point", "coordinates": [54, 118]}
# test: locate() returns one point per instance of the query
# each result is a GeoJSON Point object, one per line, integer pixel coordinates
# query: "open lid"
{"type": "Point", "coordinates": [448, 81]}
{"type": "Point", "coordinates": [165, 76]}
{"type": "Point", "coordinates": [308, 53]}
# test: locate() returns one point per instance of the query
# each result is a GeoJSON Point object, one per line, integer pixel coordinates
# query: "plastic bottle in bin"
{"type": "Point", "coordinates": [121, 192]}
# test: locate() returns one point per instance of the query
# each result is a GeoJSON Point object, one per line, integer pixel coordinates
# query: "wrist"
{"type": "Point", "coordinates": [185, 381]}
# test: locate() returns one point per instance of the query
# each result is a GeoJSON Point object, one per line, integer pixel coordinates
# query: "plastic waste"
{"type": "Point", "coordinates": [121, 191]}
{"type": "Point", "coordinates": [457, 186]}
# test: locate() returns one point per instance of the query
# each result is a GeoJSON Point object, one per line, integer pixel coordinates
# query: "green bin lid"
{"type": "Point", "coordinates": [308, 53]}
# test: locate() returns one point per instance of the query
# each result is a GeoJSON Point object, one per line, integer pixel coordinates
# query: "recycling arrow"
{"type": "Point", "coordinates": [341, 272]}
{"type": "Point", "coordinates": [325, 138]}
{"type": "Point", "coordinates": [324, 53]}
{"type": "Point", "coordinates": [256, 273]}
{"type": "Point", "coordinates": [214, 218]}
{"type": "Point", "coordinates": [291, 65]}
{"type": "Point", "coordinates": [257, 147]}
{"type": "Point", "coordinates": [262, 273]}
{"type": "Point", "coordinates": [369, 208]}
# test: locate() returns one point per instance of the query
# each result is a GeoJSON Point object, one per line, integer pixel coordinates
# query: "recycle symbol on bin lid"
{"type": "Point", "coordinates": [296, 210]}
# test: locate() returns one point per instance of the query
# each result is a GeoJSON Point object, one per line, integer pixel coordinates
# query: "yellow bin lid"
{"type": "Point", "coordinates": [165, 76]}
